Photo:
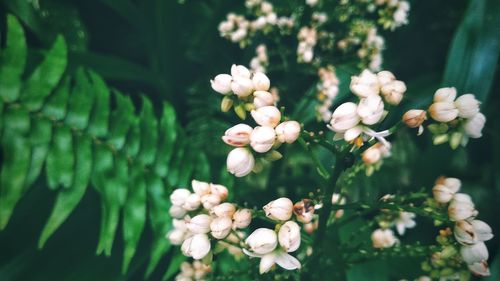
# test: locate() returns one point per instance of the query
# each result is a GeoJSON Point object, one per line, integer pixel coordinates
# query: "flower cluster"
{"type": "Point", "coordinates": [193, 271]}
{"type": "Point", "coordinates": [394, 13]}
{"type": "Point", "coordinates": [372, 157]}
{"type": "Point", "coordinates": [469, 232]}
{"type": "Point", "coordinates": [384, 237]}
{"type": "Point", "coordinates": [328, 88]}
{"type": "Point", "coordinates": [307, 40]}
{"type": "Point", "coordinates": [200, 213]}
{"type": "Point", "coordinates": [260, 62]}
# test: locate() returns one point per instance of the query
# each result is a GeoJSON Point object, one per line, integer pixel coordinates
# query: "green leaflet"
{"type": "Point", "coordinates": [68, 199]}
{"type": "Point", "coordinates": [149, 133]}
{"type": "Point", "coordinates": [60, 159]}
{"type": "Point", "coordinates": [188, 162]}
{"type": "Point", "coordinates": [174, 172]}
{"type": "Point", "coordinates": [40, 136]}
{"type": "Point", "coordinates": [99, 119]}
{"type": "Point", "coordinates": [12, 61]}
{"type": "Point", "coordinates": [174, 265]}
{"type": "Point", "coordinates": [133, 143]}
{"type": "Point", "coordinates": [120, 121]}
{"type": "Point", "coordinates": [56, 105]}
{"type": "Point", "coordinates": [134, 215]}
{"type": "Point", "coordinates": [80, 102]}
{"type": "Point", "coordinates": [167, 137]}
{"type": "Point", "coordinates": [202, 168]}
{"type": "Point", "coordinates": [46, 76]}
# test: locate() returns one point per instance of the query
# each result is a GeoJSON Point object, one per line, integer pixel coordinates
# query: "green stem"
{"type": "Point", "coordinates": [320, 168]}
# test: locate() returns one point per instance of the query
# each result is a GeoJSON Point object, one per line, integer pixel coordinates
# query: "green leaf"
{"type": "Point", "coordinates": [174, 167]}
{"type": "Point", "coordinates": [12, 60]}
{"type": "Point", "coordinates": [16, 120]}
{"type": "Point", "coordinates": [133, 143]}
{"type": "Point", "coordinates": [15, 166]}
{"type": "Point", "coordinates": [202, 167]}
{"type": "Point", "coordinates": [174, 265]}
{"type": "Point", "coordinates": [167, 137]}
{"type": "Point", "coordinates": [186, 166]}
{"type": "Point", "coordinates": [56, 105]}
{"type": "Point", "coordinates": [40, 136]}
{"type": "Point", "coordinates": [80, 102]}
{"type": "Point", "coordinates": [99, 119]}
{"type": "Point", "coordinates": [134, 215]}
{"type": "Point", "coordinates": [149, 133]}
{"type": "Point", "coordinates": [60, 160]}
{"type": "Point", "coordinates": [121, 120]}
{"type": "Point", "coordinates": [68, 199]}
{"type": "Point", "coordinates": [46, 76]}
{"type": "Point", "coordinates": [374, 270]}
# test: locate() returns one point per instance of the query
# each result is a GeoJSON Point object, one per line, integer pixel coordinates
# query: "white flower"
{"type": "Point", "coordinates": [473, 127]}
{"type": "Point", "coordinates": [242, 218]}
{"type": "Point", "coordinates": [179, 196]}
{"type": "Point", "coordinates": [176, 236]}
{"type": "Point", "coordinates": [262, 241]}
{"type": "Point", "coordinates": [263, 98]}
{"type": "Point", "coordinates": [288, 131]}
{"type": "Point", "coordinates": [467, 106]}
{"type": "Point", "coordinates": [262, 139]}
{"type": "Point", "coordinates": [404, 221]}
{"type": "Point", "coordinates": [471, 232]}
{"type": "Point", "coordinates": [371, 109]}
{"type": "Point", "coordinates": [280, 209]}
{"type": "Point", "coordinates": [383, 238]}
{"type": "Point", "coordinates": [351, 134]}
{"type": "Point", "coordinates": [261, 82]}
{"type": "Point", "coordinates": [210, 200]}
{"type": "Point", "coordinates": [289, 236]}
{"type": "Point", "coordinates": [201, 188]}
{"type": "Point", "coordinates": [445, 95]}
{"type": "Point", "coordinates": [365, 84]}
{"type": "Point", "coordinates": [240, 71]}
{"type": "Point", "coordinates": [445, 188]}
{"type": "Point", "coordinates": [240, 162]}
{"type": "Point", "coordinates": [224, 210]}
{"type": "Point", "coordinates": [474, 253]}
{"type": "Point", "coordinates": [219, 190]}
{"type": "Point", "coordinates": [238, 135]}
{"type": "Point", "coordinates": [479, 268]}
{"type": "Point", "coordinates": [461, 207]}
{"type": "Point", "coordinates": [393, 92]}
{"type": "Point", "coordinates": [372, 155]}
{"type": "Point", "coordinates": [279, 257]}
{"type": "Point", "coordinates": [196, 246]}
{"type": "Point", "coordinates": [269, 116]}
{"type": "Point", "coordinates": [242, 86]}
{"type": "Point", "coordinates": [199, 224]}
{"type": "Point", "coordinates": [222, 83]}
{"type": "Point", "coordinates": [414, 118]}
{"type": "Point", "coordinates": [312, 3]}
{"type": "Point", "coordinates": [193, 202]}
{"type": "Point", "coordinates": [344, 117]}
{"type": "Point", "coordinates": [385, 77]}
{"type": "Point", "coordinates": [177, 212]}
{"type": "Point", "coordinates": [443, 111]}
{"type": "Point", "coordinates": [220, 227]}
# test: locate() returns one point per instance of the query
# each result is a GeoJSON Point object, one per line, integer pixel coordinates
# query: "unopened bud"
{"type": "Point", "coordinates": [238, 135]}
{"type": "Point", "coordinates": [262, 241]}
{"type": "Point", "coordinates": [414, 118]}
{"type": "Point", "coordinates": [288, 131]}
{"type": "Point", "coordinates": [262, 139]}
{"type": "Point", "coordinates": [280, 209]}
{"type": "Point", "coordinates": [289, 236]}
{"type": "Point", "coordinates": [220, 227]}
{"type": "Point", "coordinates": [196, 246]}
{"type": "Point", "coordinates": [242, 218]}
{"type": "Point", "coordinates": [268, 116]}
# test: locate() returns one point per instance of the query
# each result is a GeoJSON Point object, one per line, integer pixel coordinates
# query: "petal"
{"type": "Point", "coordinates": [287, 261]}
{"type": "Point", "coordinates": [400, 227]}
{"type": "Point", "coordinates": [251, 254]}
{"type": "Point", "coordinates": [267, 262]}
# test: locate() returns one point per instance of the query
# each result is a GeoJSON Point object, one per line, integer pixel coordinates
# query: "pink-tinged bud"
{"type": "Point", "coordinates": [385, 77]}
{"type": "Point", "coordinates": [473, 127]}
{"type": "Point", "coordinates": [304, 210]}
{"type": "Point", "coordinates": [461, 207]}
{"type": "Point", "coordinates": [177, 212]}
{"type": "Point", "coordinates": [238, 135]}
{"type": "Point", "coordinates": [372, 155]}
{"type": "Point", "coordinates": [471, 232]}
{"type": "Point", "coordinates": [311, 227]}
{"type": "Point", "coordinates": [224, 210]}
{"type": "Point", "coordinates": [383, 238]}
{"type": "Point", "coordinates": [443, 111]}
{"type": "Point", "coordinates": [262, 241]}
{"type": "Point", "coordinates": [222, 83]}
{"type": "Point", "coordinates": [479, 268]}
{"type": "Point", "coordinates": [445, 95]}
{"type": "Point", "coordinates": [210, 200]}
{"type": "Point", "coordinates": [201, 188]}
{"type": "Point", "coordinates": [263, 98]}
{"type": "Point", "coordinates": [453, 184]}
{"type": "Point", "coordinates": [220, 227]}
{"type": "Point", "coordinates": [242, 87]}
{"type": "Point", "coordinates": [344, 117]}
{"type": "Point", "coordinates": [219, 190]}
{"type": "Point", "coordinates": [442, 194]}
{"type": "Point", "coordinates": [474, 253]}
{"type": "Point", "coordinates": [199, 224]}
{"type": "Point", "coordinates": [268, 116]}
{"type": "Point", "coordinates": [364, 85]}
{"type": "Point", "coordinates": [371, 109]}
{"type": "Point", "coordinates": [289, 236]}
{"type": "Point", "coordinates": [176, 236]}
{"type": "Point", "coordinates": [262, 139]}
{"type": "Point", "coordinates": [288, 131]}
{"type": "Point", "coordinates": [240, 71]}
{"type": "Point", "coordinates": [414, 118]}
{"type": "Point", "coordinates": [280, 209]}
{"type": "Point", "coordinates": [467, 106]}
{"type": "Point", "coordinates": [240, 162]}
{"type": "Point", "coordinates": [393, 92]}
{"type": "Point", "coordinates": [179, 196]}
{"type": "Point", "coordinates": [261, 82]}
{"type": "Point", "coordinates": [196, 246]}
{"type": "Point", "coordinates": [242, 218]}
{"type": "Point", "coordinates": [193, 202]}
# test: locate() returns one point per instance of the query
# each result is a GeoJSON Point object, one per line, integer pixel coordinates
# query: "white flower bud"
{"type": "Point", "coordinates": [443, 111]}
{"type": "Point", "coordinates": [201, 188]}
{"type": "Point", "coordinates": [479, 268]}
{"type": "Point", "coordinates": [210, 200]}
{"type": "Point", "coordinates": [467, 106]}
{"type": "Point", "coordinates": [372, 155]}
{"type": "Point", "coordinates": [241, 86]}
{"type": "Point", "coordinates": [268, 116]}
{"type": "Point", "coordinates": [222, 83]}
{"type": "Point", "coordinates": [365, 84]}
{"type": "Point", "coordinates": [261, 82]}
{"type": "Point", "coordinates": [179, 224]}
{"type": "Point", "coordinates": [219, 190]}
{"type": "Point", "coordinates": [344, 117]}
{"type": "Point", "coordinates": [442, 194]}
{"type": "Point", "coordinates": [471, 232]}
{"type": "Point", "coordinates": [288, 131]}
{"type": "Point", "coordinates": [242, 218]}
{"type": "Point", "coordinates": [238, 135]}
{"type": "Point", "coordinates": [461, 207]}
{"type": "Point", "coordinates": [176, 236]}
{"type": "Point", "coordinates": [351, 134]}
{"type": "Point", "coordinates": [280, 209]}
{"type": "Point", "coordinates": [473, 127]}
{"type": "Point", "coordinates": [383, 238]}
{"type": "Point", "coordinates": [262, 241]}
{"type": "Point", "coordinates": [262, 139]}
{"type": "Point", "coordinates": [199, 224]}
{"type": "Point", "coordinates": [177, 212]}
{"type": "Point", "coordinates": [221, 227]}
{"type": "Point", "coordinates": [445, 95]}
{"type": "Point", "coordinates": [263, 98]}
{"type": "Point", "coordinates": [371, 109]}
{"type": "Point", "coordinates": [474, 253]}
{"type": "Point", "coordinates": [289, 236]}
{"type": "Point", "coordinates": [414, 118]}
{"type": "Point", "coordinates": [224, 210]}
{"type": "Point", "coordinates": [179, 196]}
{"type": "Point", "coordinates": [453, 184]}
{"type": "Point", "coordinates": [393, 92]}
{"type": "Point", "coordinates": [240, 162]}
{"type": "Point", "coordinates": [240, 71]}
{"type": "Point", "coordinates": [385, 77]}
{"type": "Point", "coordinates": [193, 202]}
{"type": "Point", "coordinates": [304, 210]}
{"type": "Point", "coordinates": [196, 246]}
